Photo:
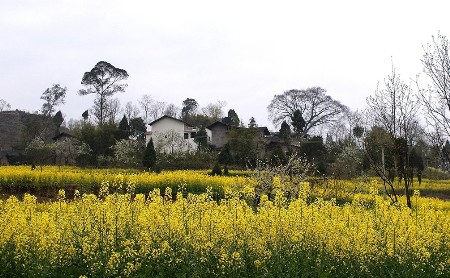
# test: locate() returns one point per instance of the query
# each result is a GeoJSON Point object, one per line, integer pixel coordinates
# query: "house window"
{"type": "Point", "coordinates": [193, 134]}
{"type": "Point", "coordinates": [186, 135]}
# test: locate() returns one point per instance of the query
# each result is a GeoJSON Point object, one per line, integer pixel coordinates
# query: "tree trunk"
{"type": "Point", "coordinates": [407, 181]}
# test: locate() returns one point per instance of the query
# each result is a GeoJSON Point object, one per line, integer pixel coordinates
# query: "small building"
{"type": "Point", "coordinates": [65, 149]}
{"type": "Point", "coordinates": [171, 135]}
{"type": "Point", "coordinates": [261, 140]}
{"type": "Point", "coordinates": [219, 134]}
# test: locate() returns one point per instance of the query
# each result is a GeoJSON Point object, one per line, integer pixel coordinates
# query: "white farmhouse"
{"type": "Point", "coordinates": [171, 135]}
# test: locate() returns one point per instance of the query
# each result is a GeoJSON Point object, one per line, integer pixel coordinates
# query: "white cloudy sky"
{"type": "Point", "coordinates": [241, 52]}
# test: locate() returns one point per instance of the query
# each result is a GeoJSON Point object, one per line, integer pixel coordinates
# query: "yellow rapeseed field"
{"type": "Point", "coordinates": [22, 178]}
{"type": "Point", "coordinates": [90, 180]}
{"type": "Point", "coordinates": [127, 235]}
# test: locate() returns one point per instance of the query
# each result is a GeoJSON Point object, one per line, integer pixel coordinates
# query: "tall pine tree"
{"type": "Point", "coordinates": [298, 123]}
{"type": "Point", "coordinates": [149, 159]}
{"type": "Point", "coordinates": [124, 129]}
{"type": "Point", "coordinates": [285, 131]}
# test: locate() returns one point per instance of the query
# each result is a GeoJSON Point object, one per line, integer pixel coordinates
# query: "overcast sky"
{"type": "Point", "coordinates": [241, 52]}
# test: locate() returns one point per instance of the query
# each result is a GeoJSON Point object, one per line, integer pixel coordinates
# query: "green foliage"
{"type": "Point", "coordinates": [137, 128]}
{"type": "Point", "coordinates": [32, 126]}
{"type": "Point", "coordinates": [277, 157]}
{"type": "Point", "coordinates": [243, 146]}
{"type": "Point", "coordinates": [190, 106]}
{"type": "Point", "coordinates": [105, 138]}
{"type": "Point", "coordinates": [313, 149]}
{"type": "Point", "coordinates": [285, 131]}
{"type": "Point", "coordinates": [297, 122]}
{"type": "Point", "coordinates": [358, 131]}
{"type": "Point", "coordinates": [53, 96]}
{"type": "Point", "coordinates": [199, 120]}
{"type": "Point", "coordinates": [225, 156]}
{"type": "Point", "coordinates": [99, 139]}
{"type": "Point", "coordinates": [58, 119]}
{"type": "Point", "coordinates": [85, 115]}
{"type": "Point", "coordinates": [216, 171]}
{"type": "Point", "coordinates": [124, 129]}
{"type": "Point", "coordinates": [41, 152]}
{"type": "Point", "coordinates": [416, 162]}
{"type": "Point", "coordinates": [435, 174]}
{"type": "Point", "coordinates": [252, 123]}
{"type": "Point", "coordinates": [201, 138]}
{"type": "Point", "coordinates": [69, 150]}
{"type": "Point", "coordinates": [149, 159]}
{"type": "Point", "coordinates": [185, 161]}
{"type": "Point", "coordinates": [235, 121]}
{"type": "Point", "coordinates": [376, 140]}
{"type": "Point", "coordinates": [104, 81]}
{"type": "Point", "coordinates": [225, 171]}
{"type": "Point", "coordinates": [344, 160]}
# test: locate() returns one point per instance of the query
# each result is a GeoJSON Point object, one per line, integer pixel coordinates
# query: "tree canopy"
{"type": "Point", "coordinates": [53, 96]}
{"type": "Point", "coordinates": [104, 80]}
{"type": "Point", "coordinates": [190, 106]}
{"type": "Point", "coordinates": [297, 122]}
{"type": "Point", "coordinates": [314, 105]}
{"type": "Point", "coordinates": [149, 159]}
{"type": "Point", "coordinates": [233, 118]}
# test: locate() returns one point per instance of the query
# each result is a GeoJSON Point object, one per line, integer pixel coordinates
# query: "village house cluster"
{"type": "Point", "coordinates": [171, 135]}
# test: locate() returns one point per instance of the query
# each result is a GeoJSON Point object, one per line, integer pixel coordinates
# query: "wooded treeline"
{"type": "Point", "coordinates": [390, 138]}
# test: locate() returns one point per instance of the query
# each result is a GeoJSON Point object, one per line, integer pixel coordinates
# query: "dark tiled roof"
{"type": "Point", "coordinates": [217, 123]}
{"type": "Point", "coordinates": [264, 129]}
{"type": "Point", "coordinates": [62, 134]}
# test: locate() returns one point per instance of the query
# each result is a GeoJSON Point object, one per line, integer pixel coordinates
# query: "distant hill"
{"type": "Point", "coordinates": [11, 126]}
{"type": "Point", "coordinates": [17, 128]}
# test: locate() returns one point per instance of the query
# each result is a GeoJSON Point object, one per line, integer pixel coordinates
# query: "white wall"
{"type": "Point", "coordinates": [168, 136]}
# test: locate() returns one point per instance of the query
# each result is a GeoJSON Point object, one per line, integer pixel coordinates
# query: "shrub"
{"type": "Point", "coordinates": [216, 171]}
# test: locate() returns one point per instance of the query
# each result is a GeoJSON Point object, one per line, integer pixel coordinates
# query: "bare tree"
{"type": "Point", "coordinates": [315, 107]}
{"type": "Point", "coordinates": [292, 176]}
{"type": "Point", "coordinates": [172, 110]}
{"type": "Point", "coordinates": [113, 110]}
{"type": "Point", "coordinates": [340, 128]}
{"type": "Point", "coordinates": [110, 111]}
{"type": "Point", "coordinates": [214, 110]}
{"type": "Point", "coordinates": [356, 119]}
{"type": "Point", "coordinates": [131, 110]}
{"type": "Point", "coordinates": [146, 103]}
{"type": "Point", "coordinates": [4, 105]}
{"type": "Point", "coordinates": [394, 107]}
{"type": "Point", "coordinates": [157, 110]}
{"type": "Point", "coordinates": [104, 81]}
{"type": "Point", "coordinates": [436, 97]}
